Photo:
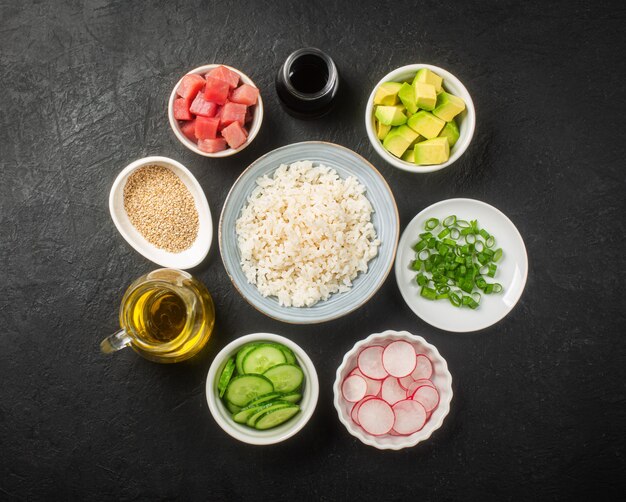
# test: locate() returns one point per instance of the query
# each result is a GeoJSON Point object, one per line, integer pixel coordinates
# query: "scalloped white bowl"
{"type": "Point", "coordinates": [441, 378]}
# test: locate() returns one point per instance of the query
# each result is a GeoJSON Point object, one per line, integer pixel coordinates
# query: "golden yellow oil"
{"type": "Point", "coordinates": [168, 324]}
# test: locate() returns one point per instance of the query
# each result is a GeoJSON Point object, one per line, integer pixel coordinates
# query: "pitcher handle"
{"type": "Point", "coordinates": [115, 342]}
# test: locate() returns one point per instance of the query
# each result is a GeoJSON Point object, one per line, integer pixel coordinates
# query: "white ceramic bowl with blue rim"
{"type": "Point", "coordinates": [385, 219]}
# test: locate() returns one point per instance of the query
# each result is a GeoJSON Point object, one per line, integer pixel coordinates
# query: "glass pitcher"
{"type": "Point", "coordinates": [166, 316]}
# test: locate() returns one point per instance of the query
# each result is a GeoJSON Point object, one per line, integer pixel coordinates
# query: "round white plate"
{"type": "Point", "coordinates": [512, 268]}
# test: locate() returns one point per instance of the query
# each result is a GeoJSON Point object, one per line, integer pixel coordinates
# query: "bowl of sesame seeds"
{"type": "Point", "coordinates": [160, 209]}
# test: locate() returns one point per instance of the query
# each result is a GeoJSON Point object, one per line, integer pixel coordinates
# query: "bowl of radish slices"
{"type": "Point", "coordinates": [392, 390]}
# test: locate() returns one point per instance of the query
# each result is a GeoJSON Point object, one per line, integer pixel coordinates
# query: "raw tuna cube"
{"type": "Point", "coordinates": [245, 94]}
{"type": "Point", "coordinates": [206, 127]}
{"type": "Point", "coordinates": [212, 145]}
{"type": "Point", "coordinates": [223, 73]}
{"type": "Point", "coordinates": [181, 109]}
{"type": "Point", "coordinates": [233, 112]}
{"type": "Point", "coordinates": [189, 86]}
{"type": "Point", "coordinates": [189, 129]}
{"type": "Point", "coordinates": [216, 90]}
{"type": "Point", "coordinates": [235, 135]}
{"type": "Point", "coordinates": [201, 106]}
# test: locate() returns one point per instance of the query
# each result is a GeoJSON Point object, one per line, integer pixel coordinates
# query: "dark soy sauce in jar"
{"type": "Point", "coordinates": [307, 83]}
{"type": "Point", "coordinates": [309, 74]}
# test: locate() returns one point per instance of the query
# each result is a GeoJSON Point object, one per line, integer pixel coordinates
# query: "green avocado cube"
{"type": "Point", "coordinates": [395, 143]}
{"type": "Point", "coordinates": [450, 131]}
{"type": "Point", "coordinates": [425, 95]}
{"type": "Point", "coordinates": [407, 96]}
{"type": "Point", "coordinates": [387, 93]}
{"type": "Point", "coordinates": [406, 132]}
{"type": "Point", "coordinates": [382, 130]}
{"type": "Point", "coordinates": [390, 115]}
{"type": "Point", "coordinates": [409, 156]}
{"type": "Point", "coordinates": [429, 77]}
{"type": "Point", "coordinates": [432, 151]}
{"type": "Point", "coordinates": [426, 124]}
{"type": "Point", "coordinates": [448, 106]}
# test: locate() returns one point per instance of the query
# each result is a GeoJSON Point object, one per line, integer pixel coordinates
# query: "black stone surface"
{"type": "Point", "coordinates": [539, 410]}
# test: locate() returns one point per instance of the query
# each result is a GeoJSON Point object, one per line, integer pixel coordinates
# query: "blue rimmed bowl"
{"type": "Point", "coordinates": [385, 219]}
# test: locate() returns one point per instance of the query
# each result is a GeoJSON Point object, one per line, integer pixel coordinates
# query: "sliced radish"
{"type": "Point", "coordinates": [354, 414]}
{"type": "Point", "coordinates": [354, 388]}
{"type": "Point", "coordinates": [416, 385]}
{"type": "Point", "coordinates": [410, 416]}
{"type": "Point", "coordinates": [428, 396]}
{"type": "Point", "coordinates": [399, 358]}
{"type": "Point", "coordinates": [391, 391]}
{"type": "Point", "coordinates": [373, 386]}
{"type": "Point", "coordinates": [376, 417]}
{"type": "Point", "coordinates": [370, 362]}
{"type": "Point", "coordinates": [394, 433]}
{"type": "Point", "coordinates": [423, 367]}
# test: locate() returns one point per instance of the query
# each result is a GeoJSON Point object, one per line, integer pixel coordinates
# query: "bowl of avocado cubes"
{"type": "Point", "coordinates": [262, 388]}
{"type": "Point", "coordinates": [420, 118]}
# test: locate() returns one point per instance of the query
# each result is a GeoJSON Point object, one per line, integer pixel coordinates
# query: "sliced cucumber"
{"type": "Point", "coordinates": [243, 415]}
{"type": "Point", "coordinates": [241, 354]}
{"type": "Point", "coordinates": [285, 377]}
{"type": "Point", "coordinates": [226, 375]}
{"type": "Point", "coordinates": [289, 355]}
{"type": "Point", "coordinates": [265, 398]}
{"type": "Point", "coordinates": [262, 358]}
{"type": "Point", "coordinates": [244, 388]}
{"type": "Point", "coordinates": [275, 405]}
{"type": "Point", "coordinates": [232, 408]}
{"type": "Point", "coordinates": [292, 397]}
{"type": "Point", "coordinates": [272, 417]}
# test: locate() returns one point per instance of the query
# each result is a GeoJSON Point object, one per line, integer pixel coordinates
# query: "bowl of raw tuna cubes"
{"type": "Point", "coordinates": [392, 390]}
{"type": "Point", "coordinates": [215, 110]}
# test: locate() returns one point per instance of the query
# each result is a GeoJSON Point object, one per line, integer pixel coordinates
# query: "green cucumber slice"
{"type": "Point", "coordinates": [242, 353]}
{"type": "Point", "coordinates": [244, 388]}
{"type": "Point", "coordinates": [275, 405]}
{"type": "Point", "coordinates": [273, 417]}
{"type": "Point", "coordinates": [226, 375]}
{"type": "Point", "coordinates": [262, 358]}
{"type": "Point", "coordinates": [285, 377]}
{"type": "Point", "coordinates": [265, 398]}
{"type": "Point", "coordinates": [292, 397]}
{"type": "Point", "coordinates": [232, 408]}
{"type": "Point", "coordinates": [289, 355]}
{"type": "Point", "coordinates": [244, 414]}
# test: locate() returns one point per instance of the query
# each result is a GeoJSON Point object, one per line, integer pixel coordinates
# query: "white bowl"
{"type": "Point", "coordinates": [185, 259]}
{"type": "Point", "coordinates": [512, 268]}
{"type": "Point", "coordinates": [441, 378]}
{"type": "Point", "coordinates": [242, 432]}
{"type": "Point", "coordinates": [466, 119]}
{"type": "Point", "coordinates": [255, 125]}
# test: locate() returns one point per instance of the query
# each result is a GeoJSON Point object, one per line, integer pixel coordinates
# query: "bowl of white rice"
{"type": "Point", "coordinates": [308, 232]}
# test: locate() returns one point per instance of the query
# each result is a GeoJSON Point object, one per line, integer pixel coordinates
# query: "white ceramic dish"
{"type": "Point", "coordinates": [466, 119]}
{"type": "Point", "coordinates": [185, 259]}
{"type": "Point", "coordinates": [254, 128]}
{"type": "Point", "coordinates": [242, 432]}
{"type": "Point", "coordinates": [441, 378]}
{"type": "Point", "coordinates": [512, 268]}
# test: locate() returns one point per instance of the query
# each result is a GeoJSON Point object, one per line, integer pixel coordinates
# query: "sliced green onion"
{"type": "Point", "coordinates": [421, 279]}
{"type": "Point", "coordinates": [423, 255]}
{"type": "Point", "coordinates": [467, 231]}
{"type": "Point", "coordinates": [480, 282]}
{"type": "Point", "coordinates": [455, 299]}
{"type": "Point", "coordinates": [420, 245]}
{"type": "Point", "coordinates": [443, 233]}
{"type": "Point", "coordinates": [470, 238]}
{"type": "Point", "coordinates": [492, 269]}
{"type": "Point", "coordinates": [485, 235]}
{"type": "Point", "coordinates": [455, 233]}
{"type": "Point", "coordinates": [428, 293]}
{"type": "Point", "coordinates": [432, 242]}
{"type": "Point", "coordinates": [497, 254]}
{"type": "Point", "coordinates": [479, 247]}
{"type": "Point", "coordinates": [416, 265]}
{"type": "Point", "coordinates": [462, 224]}
{"type": "Point", "coordinates": [497, 287]}
{"type": "Point", "coordinates": [476, 296]}
{"type": "Point", "coordinates": [488, 289]}
{"type": "Point", "coordinates": [449, 221]}
{"type": "Point", "coordinates": [449, 242]}
{"type": "Point", "coordinates": [441, 296]}
{"type": "Point", "coordinates": [431, 224]}
{"type": "Point", "coordinates": [490, 241]}
{"type": "Point", "coordinates": [426, 235]}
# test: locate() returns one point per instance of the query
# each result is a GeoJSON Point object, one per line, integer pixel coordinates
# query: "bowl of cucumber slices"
{"type": "Point", "coordinates": [262, 388]}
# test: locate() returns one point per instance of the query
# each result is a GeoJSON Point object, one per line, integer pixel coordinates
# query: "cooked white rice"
{"type": "Point", "coordinates": [305, 234]}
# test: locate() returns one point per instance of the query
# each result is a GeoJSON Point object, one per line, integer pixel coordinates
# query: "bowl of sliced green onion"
{"type": "Point", "coordinates": [461, 265]}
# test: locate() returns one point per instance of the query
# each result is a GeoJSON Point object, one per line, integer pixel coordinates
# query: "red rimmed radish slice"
{"type": "Point", "coordinates": [376, 417]}
{"type": "Point", "coordinates": [391, 391]}
{"type": "Point", "coordinates": [373, 386]}
{"type": "Point", "coordinates": [354, 414]}
{"type": "Point", "coordinates": [416, 385]}
{"type": "Point", "coordinates": [423, 367]}
{"type": "Point", "coordinates": [370, 362]}
{"type": "Point", "coordinates": [428, 396]}
{"type": "Point", "coordinates": [354, 388]}
{"type": "Point", "coordinates": [410, 416]}
{"type": "Point", "coordinates": [399, 358]}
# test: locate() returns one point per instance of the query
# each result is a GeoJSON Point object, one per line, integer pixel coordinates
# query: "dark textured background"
{"type": "Point", "coordinates": [540, 401]}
